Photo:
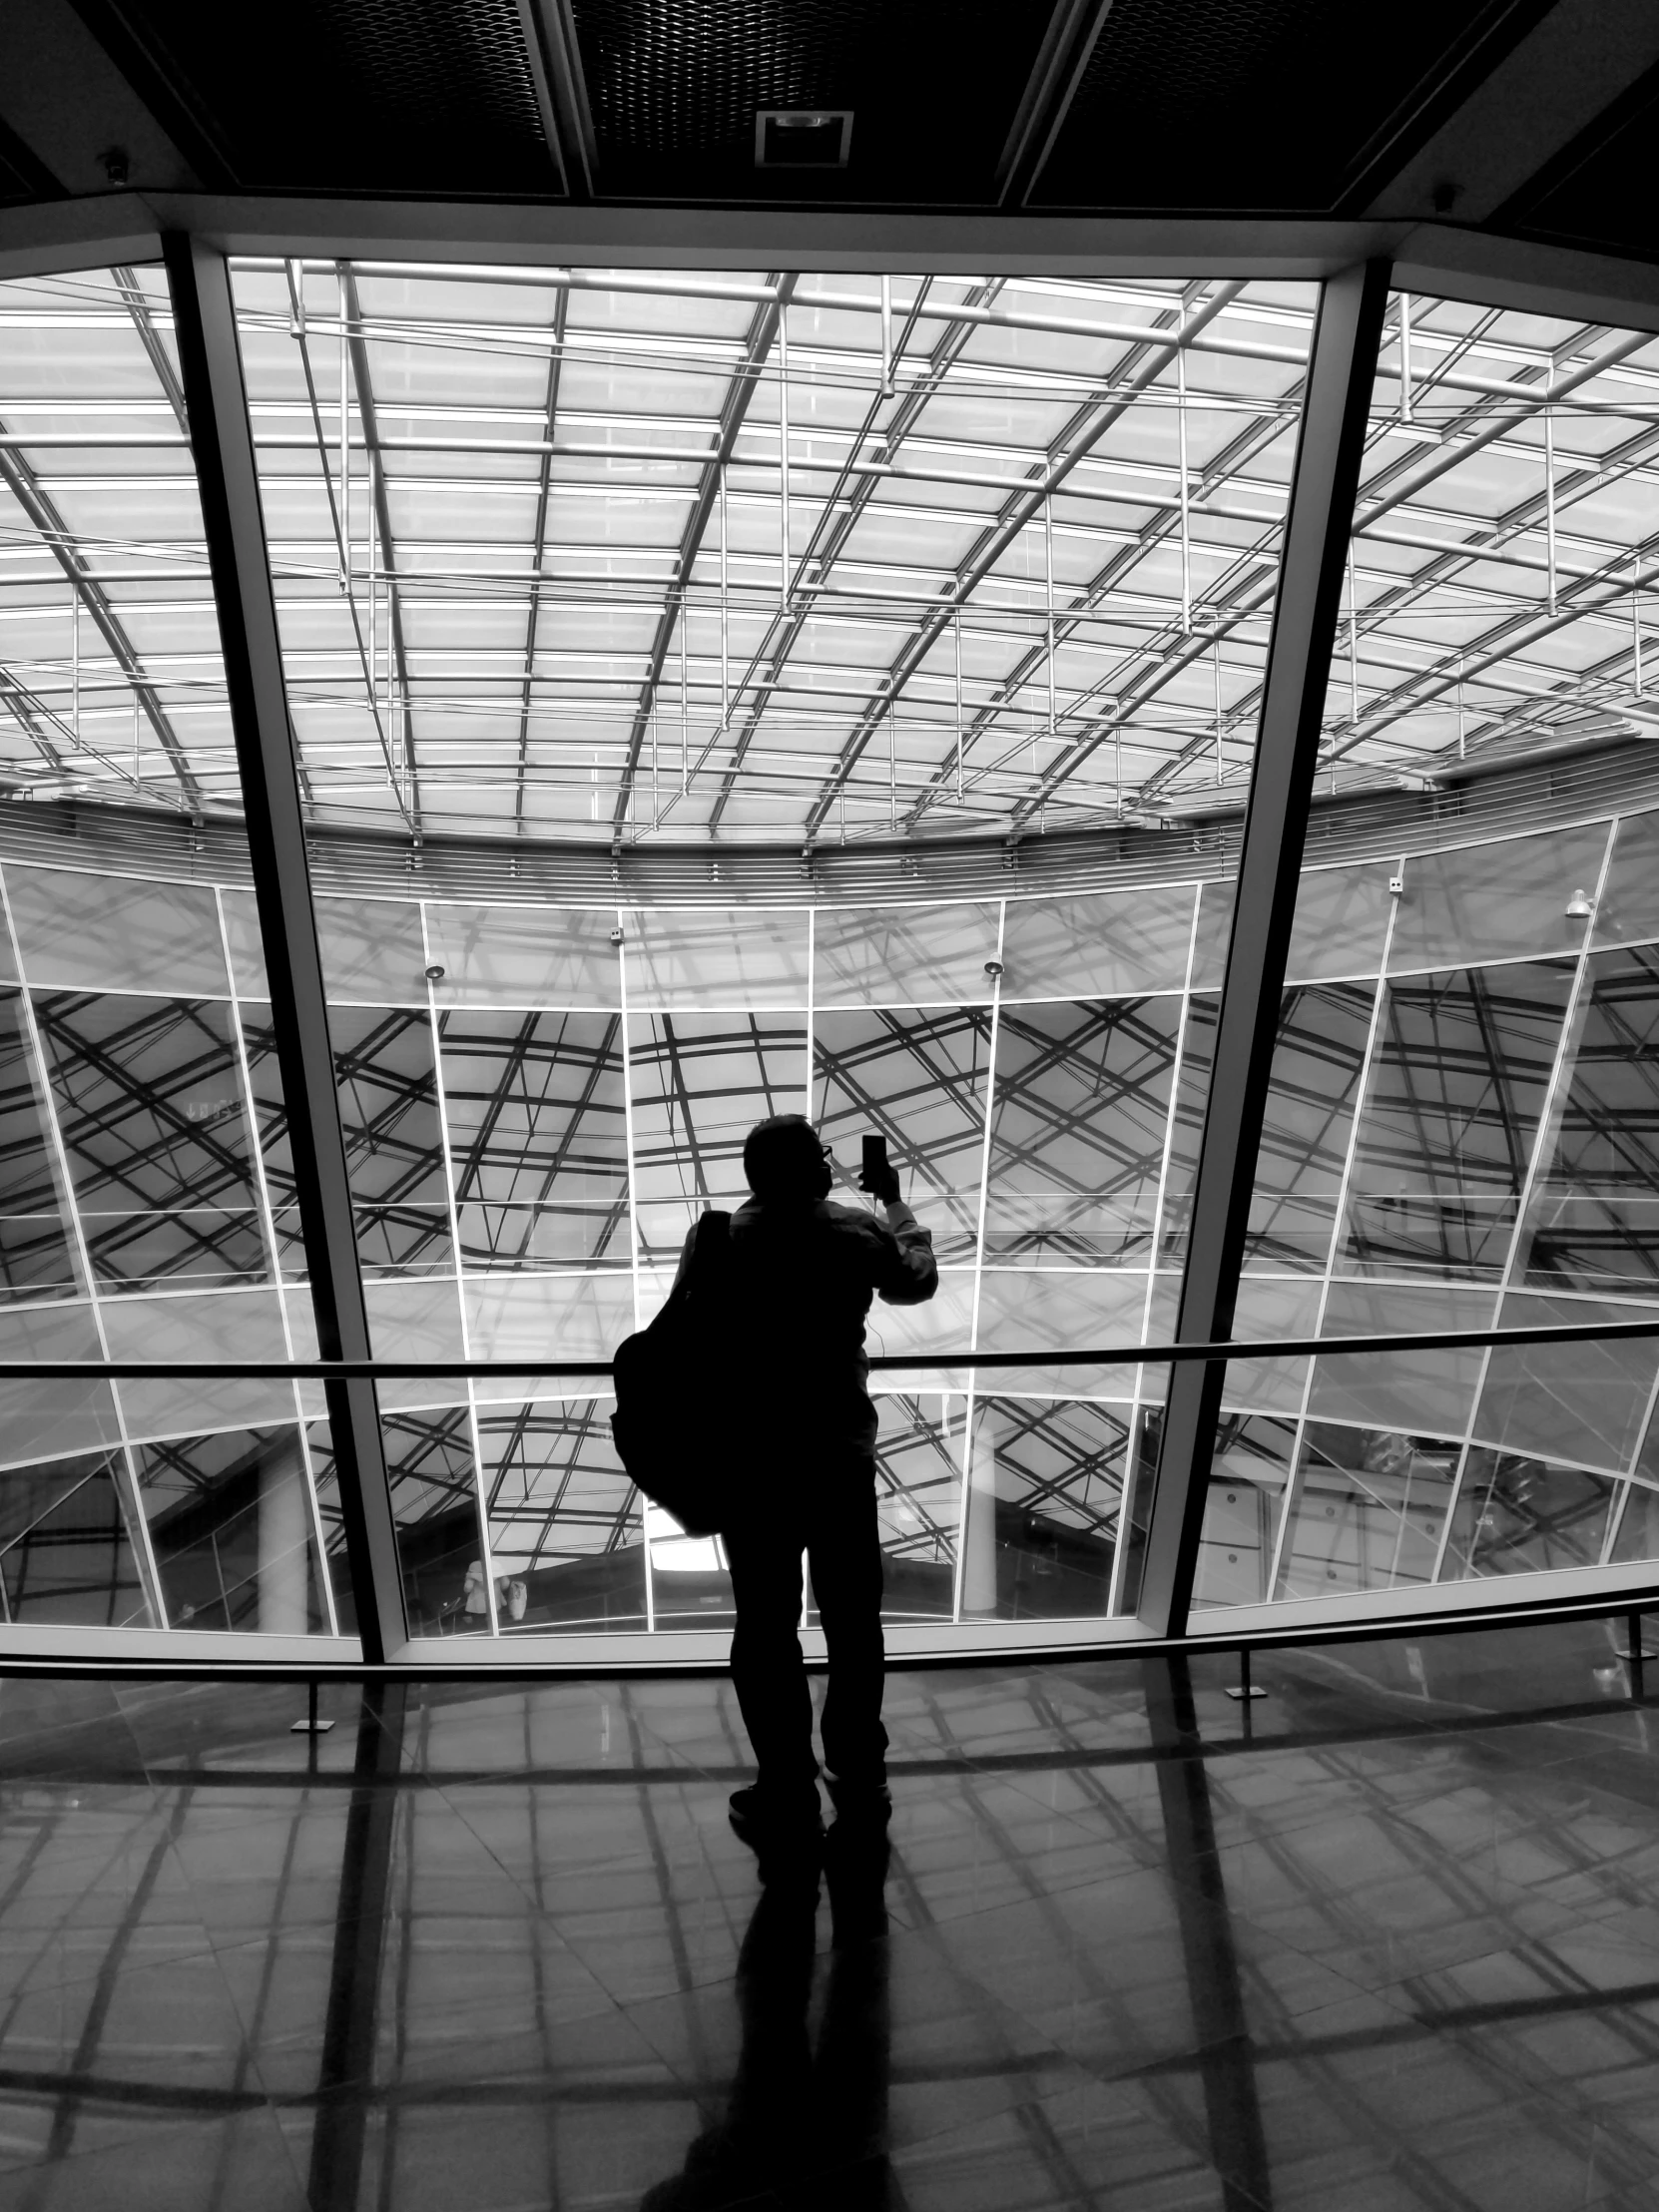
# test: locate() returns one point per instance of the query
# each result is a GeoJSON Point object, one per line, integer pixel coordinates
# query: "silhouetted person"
{"type": "Point", "coordinates": [800, 1276]}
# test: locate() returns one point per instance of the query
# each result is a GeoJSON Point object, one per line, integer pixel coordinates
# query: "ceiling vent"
{"type": "Point", "coordinates": [802, 138]}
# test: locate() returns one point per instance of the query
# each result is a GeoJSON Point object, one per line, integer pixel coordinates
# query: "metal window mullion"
{"type": "Point", "coordinates": [487, 1556]}
{"type": "Point", "coordinates": [267, 1217]}
{"type": "Point", "coordinates": [970, 1397]}
{"type": "Point", "coordinates": [1318, 525]}
{"type": "Point", "coordinates": [626, 1050]}
{"type": "Point", "coordinates": [234, 525]}
{"type": "Point", "coordinates": [1345, 1184]}
{"type": "Point", "coordinates": [1138, 1396]}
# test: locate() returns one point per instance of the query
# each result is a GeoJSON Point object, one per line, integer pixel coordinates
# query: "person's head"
{"type": "Point", "coordinates": [784, 1158]}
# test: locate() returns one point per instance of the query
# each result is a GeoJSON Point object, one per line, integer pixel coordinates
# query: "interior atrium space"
{"type": "Point", "coordinates": [1070, 596]}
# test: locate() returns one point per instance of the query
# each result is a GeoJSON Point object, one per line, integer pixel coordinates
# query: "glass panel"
{"type": "Point", "coordinates": [1317, 1065]}
{"type": "Point", "coordinates": [1462, 1064]}
{"type": "Point", "coordinates": [1638, 1531]}
{"type": "Point", "coordinates": [1514, 1515]}
{"type": "Point", "coordinates": [1248, 1476]}
{"type": "Point", "coordinates": [1628, 909]}
{"type": "Point", "coordinates": [1593, 1220]}
{"type": "Point", "coordinates": [1400, 1390]}
{"type": "Point", "coordinates": [1342, 920]}
{"type": "Point", "coordinates": [50, 1419]}
{"type": "Point", "coordinates": [116, 933]}
{"type": "Point", "coordinates": [230, 1520]}
{"type": "Point", "coordinates": [1213, 933]}
{"type": "Point", "coordinates": [1115, 947]}
{"type": "Point", "coordinates": [721, 958]}
{"type": "Point", "coordinates": [1022, 1309]}
{"type": "Point", "coordinates": [525, 955]}
{"type": "Point", "coordinates": [1495, 901]}
{"type": "Point", "coordinates": [246, 950]}
{"type": "Point", "coordinates": [565, 1522]}
{"type": "Point", "coordinates": [389, 1102]}
{"type": "Point", "coordinates": [538, 1138]}
{"type": "Point", "coordinates": [1045, 1508]}
{"type": "Point", "coordinates": [150, 1103]}
{"type": "Point", "coordinates": [1268, 1311]}
{"type": "Point", "coordinates": [1368, 1510]}
{"type": "Point", "coordinates": [700, 1085]}
{"type": "Point", "coordinates": [66, 1555]}
{"type": "Point", "coordinates": [415, 1318]}
{"type": "Point", "coordinates": [223, 1324]}
{"type": "Point", "coordinates": [918, 1500]}
{"type": "Point", "coordinates": [942, 1324]}
{"type": "Point", "coordinates": [1580, 1401]}
{"type": "Point", "coordinates": [902, 955]}
{"type": "Point", "coordinates": [1319, 1062]}
{"type": "Point", "coordinates": [1077, 1130]}
{"type": "Point", "coordinates": [548, 1317]}
{"type": "Point", "coordinates": [918, 1079]}
{"type": "Point", "coordinates": [434, 1502]}
{"type": "Point", "coordinates": [36, 1258]}
{"type": "Point", "coordinates": [373, 950]}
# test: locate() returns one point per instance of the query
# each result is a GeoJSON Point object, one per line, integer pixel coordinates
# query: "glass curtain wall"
{"type": "Point", "coordinates": [137, 1216]}
{"type": "Point", "coordinates": [638, 559]}
{"type": "Point", "coordinates": [1477, 1123]}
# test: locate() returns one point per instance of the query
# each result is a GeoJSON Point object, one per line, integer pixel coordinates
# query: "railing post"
{"type": "Point", "coordinates": [223, 441]}
{"type": "Point", "coordinates": [1318, 525]}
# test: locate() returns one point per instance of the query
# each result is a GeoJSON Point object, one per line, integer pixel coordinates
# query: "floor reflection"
{"type": "Point", "coordinates": [499, 1947]}
{"type": "Point", "coordinates": [806, 2122]}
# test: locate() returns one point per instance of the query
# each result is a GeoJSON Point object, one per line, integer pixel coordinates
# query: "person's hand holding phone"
{"type": "Point", "coordinates": [879, 1176]}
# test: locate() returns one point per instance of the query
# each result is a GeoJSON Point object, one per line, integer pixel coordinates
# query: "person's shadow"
{"type": "Point", "coordinates": [806, 2128]}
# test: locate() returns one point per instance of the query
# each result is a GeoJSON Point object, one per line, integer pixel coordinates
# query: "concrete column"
{"type": "Point", "coordinates": [979, 1562]}
{"type": "Point", "coordinates": [283, 1544]}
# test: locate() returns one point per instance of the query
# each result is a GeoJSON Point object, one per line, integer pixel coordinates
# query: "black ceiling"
{"type": "Point", "coordinates": [1110, 106]}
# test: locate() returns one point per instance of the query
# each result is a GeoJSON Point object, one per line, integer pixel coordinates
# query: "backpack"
{"type": "Point", "coordinates": [673, 1396]}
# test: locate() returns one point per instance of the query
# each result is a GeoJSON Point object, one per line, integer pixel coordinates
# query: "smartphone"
{"type": "Point", "coordinates": [874, 1161]}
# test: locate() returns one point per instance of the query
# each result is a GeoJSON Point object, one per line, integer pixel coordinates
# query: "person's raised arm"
{"type": "Point", "coordinates": [909, 1274]}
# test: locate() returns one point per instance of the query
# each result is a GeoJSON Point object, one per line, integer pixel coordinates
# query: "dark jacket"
{"type": "Point", "coordinates": [792, 1304]}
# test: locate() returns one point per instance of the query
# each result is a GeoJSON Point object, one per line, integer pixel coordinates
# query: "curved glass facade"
{"type": "Point", "coordinates": [537, 1101]}
{"type": "Point", "coordinates": [967, 603]}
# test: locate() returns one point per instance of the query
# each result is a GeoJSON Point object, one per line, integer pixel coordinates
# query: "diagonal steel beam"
{"type": "Point", "coordinates": [59, 542]}
{"type": "Point", "coordinates": [1340, 370]}
{"type": "Point", "coordinates": [223, 439]}
{"type": "Point", "coordinates": [1078, 439]}
{"type": "Point", "coordinates": [844, 509]}
{"type": "Point", "coordinates": [763, 331]}
{"type": "Point", "coordinates": [403, 716]}
{"type": "Point", "coordinates": [538, 546]}
{"type": "Point", "coordinates": [143, 323]}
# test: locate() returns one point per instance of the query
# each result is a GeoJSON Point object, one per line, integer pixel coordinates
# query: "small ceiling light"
{"type": "Point", "coordinates": [1580, 906]}
{"type": "Point", "coordinates": [802, 138]}
{"type": "Point", "coordinates": [434, 974]}
{"type": "Point", "coordinates": [993, 968]}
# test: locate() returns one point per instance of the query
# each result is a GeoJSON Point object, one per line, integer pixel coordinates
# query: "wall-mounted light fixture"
{"type": "Point", "coordinates": [1580, 906]}
{"type": "Point", "coordinates": [434, 974]}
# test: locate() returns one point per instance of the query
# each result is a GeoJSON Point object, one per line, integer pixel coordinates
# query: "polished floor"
{"type": "Point", "coordinates": [1388, 1938]}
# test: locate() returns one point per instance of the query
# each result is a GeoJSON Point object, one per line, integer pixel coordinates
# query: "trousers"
{"type": "Point", "coordinates": [830, 1518]}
